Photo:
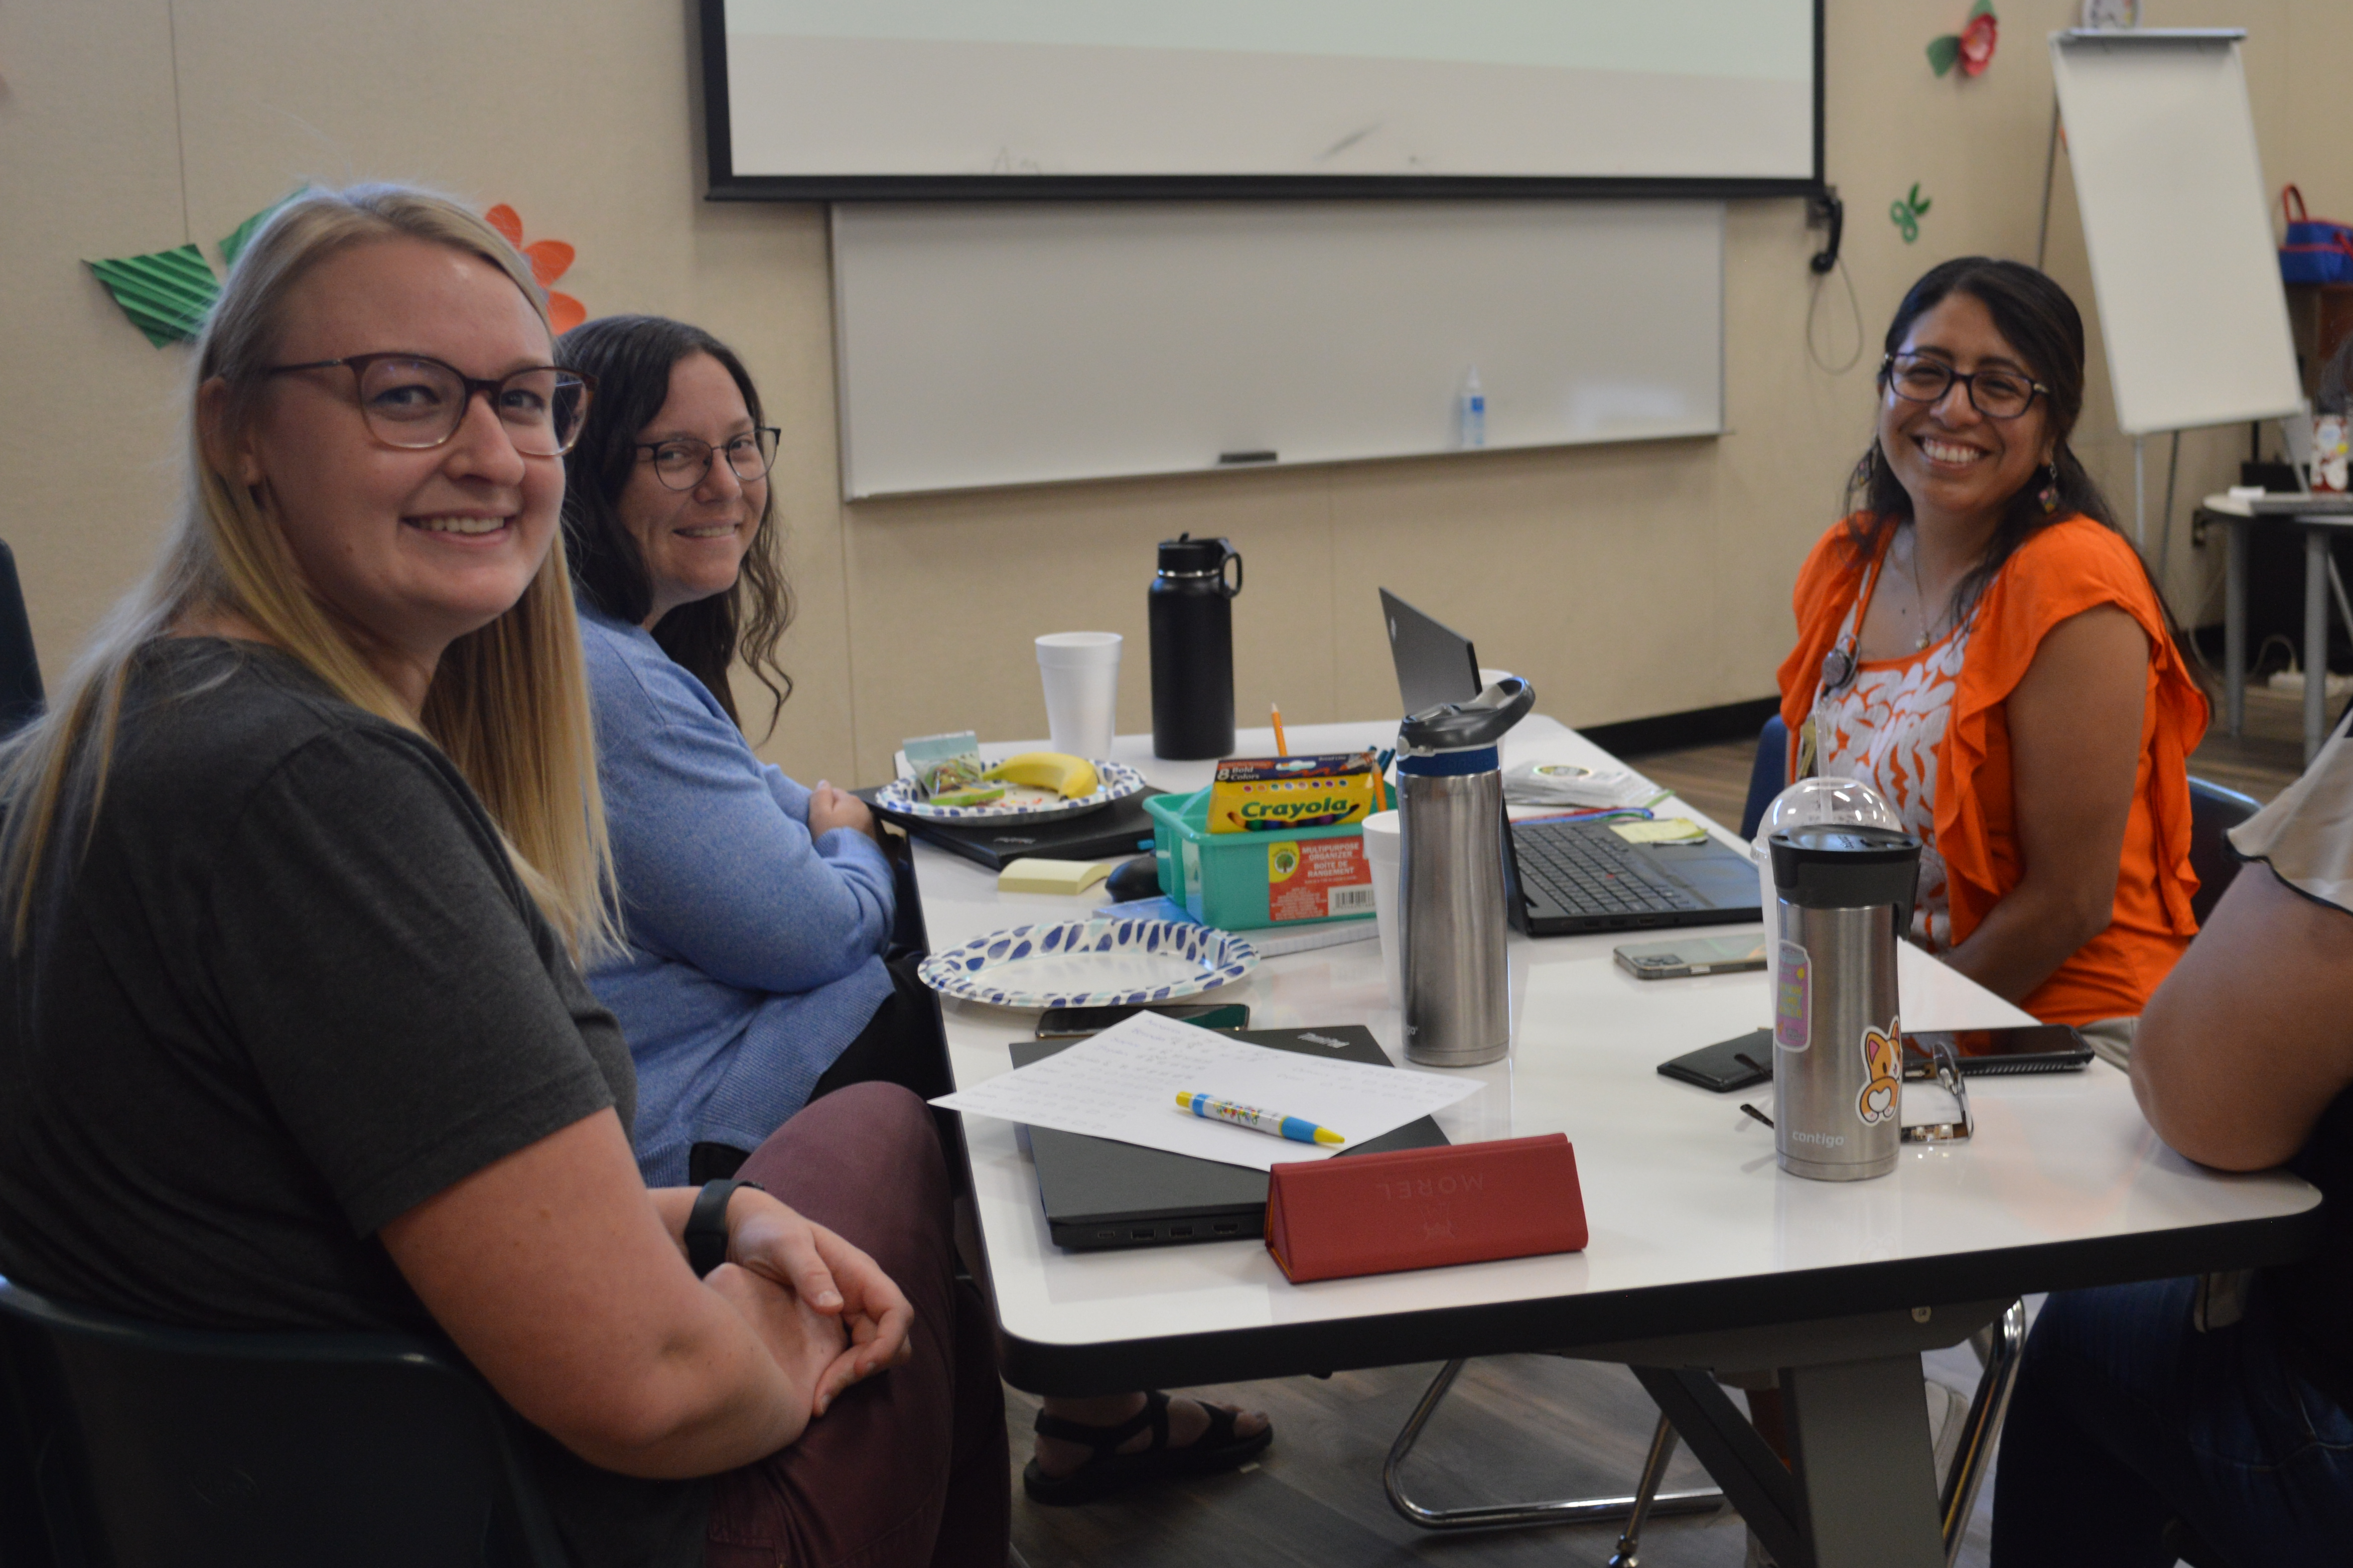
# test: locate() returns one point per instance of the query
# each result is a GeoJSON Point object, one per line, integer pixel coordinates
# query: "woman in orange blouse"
{"type": "Point", "coordinates": [1978, 641]}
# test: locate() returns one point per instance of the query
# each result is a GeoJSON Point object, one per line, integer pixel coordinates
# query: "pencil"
{"type": "Point", "coordinates": [1282, 746]}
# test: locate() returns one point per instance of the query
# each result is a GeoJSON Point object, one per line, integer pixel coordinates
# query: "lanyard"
{"type": "Point", "coordinates": [1841, 665]}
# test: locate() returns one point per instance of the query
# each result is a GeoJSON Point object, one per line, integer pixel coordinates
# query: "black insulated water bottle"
{"type": "Point", "coordinates": [1192, 617]}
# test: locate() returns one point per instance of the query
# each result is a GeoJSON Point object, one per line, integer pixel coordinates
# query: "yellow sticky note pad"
{"type": "Point", "coordinates": [1036, 874]}
{"type": "Point", "coordinates": [1663, 830]}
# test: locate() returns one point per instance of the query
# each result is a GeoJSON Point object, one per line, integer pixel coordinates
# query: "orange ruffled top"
{"type": "Point", "coordinates": [2069, 566]}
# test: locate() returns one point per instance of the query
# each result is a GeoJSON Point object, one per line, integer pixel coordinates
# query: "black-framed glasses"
{"type": "Point", "coordinates": [414, 401]}
{"type": "Point", "coordinates": [680, 464]}
{"type": "Point", "coordinates": [1996, 394]}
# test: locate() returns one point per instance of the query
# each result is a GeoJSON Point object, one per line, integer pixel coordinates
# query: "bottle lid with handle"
{"type": "Point", "coordinates": [1185, 556]}
{"type": "Point", "coordinates": [1845, 866]}
{"type": "Point", "coordinates": [1477, 724]}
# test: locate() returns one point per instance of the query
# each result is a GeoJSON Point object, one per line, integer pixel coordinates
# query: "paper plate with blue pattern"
{"type": "Point", "coordinates": [1100, 963]}
{"type": "Point", "coordinates": [1022, 803]}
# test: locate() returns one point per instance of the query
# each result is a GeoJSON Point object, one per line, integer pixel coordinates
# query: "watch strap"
{"type": "Point", "coordinates": [706, 1224]}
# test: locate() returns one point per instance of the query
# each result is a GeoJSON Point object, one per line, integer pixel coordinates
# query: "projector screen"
{"type": "Point", "coordinates": [835, 100]}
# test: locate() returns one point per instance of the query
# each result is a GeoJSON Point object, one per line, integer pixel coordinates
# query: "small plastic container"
{"type": "Point", "coordinates": [1243, 881]}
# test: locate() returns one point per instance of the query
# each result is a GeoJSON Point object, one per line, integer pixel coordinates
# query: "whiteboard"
{"type": "Point", "coordinates": [1010, 343]}
{"type": "Point", "coordinates": [2178, 231]}
{"type": "Point", "coordinates": [806, 97]}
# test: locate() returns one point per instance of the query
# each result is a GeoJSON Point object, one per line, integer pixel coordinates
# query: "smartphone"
{"type": "Point", "coordinates": [1691, 955]}
{"type": "Point", "coordinates": [1067, 1023]}
{"type": "Point", "coordinates": [1736, 1063]}
{"type": "Point", "coordinates": [1984, 1053]}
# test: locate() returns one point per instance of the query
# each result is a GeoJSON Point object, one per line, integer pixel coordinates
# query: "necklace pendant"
{"type": "Point", "coordinates": [1921, 644]}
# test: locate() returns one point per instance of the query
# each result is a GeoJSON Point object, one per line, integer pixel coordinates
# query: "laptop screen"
{"type": "Point", "coordinates": [1433, 665]}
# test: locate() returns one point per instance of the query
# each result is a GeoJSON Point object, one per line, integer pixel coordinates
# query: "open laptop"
{"type": "Point", "coordinates": [1572, 879]}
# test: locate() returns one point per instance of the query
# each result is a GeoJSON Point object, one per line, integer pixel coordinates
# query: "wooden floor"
{"type": "Point", "coordinates": [1516, 1428]}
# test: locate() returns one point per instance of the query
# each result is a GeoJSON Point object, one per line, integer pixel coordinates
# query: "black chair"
{"type": "Point", "coordinates": [1764, 774]}
{"type": "Point", "coordinates": [141, 1447]}
{"type": "Point", "coordinates": [20, 670]}
{"type": "Point", "coordinates": [2213, 812]}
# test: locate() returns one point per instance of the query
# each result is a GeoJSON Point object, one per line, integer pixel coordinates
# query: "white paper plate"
{"type": "Point", "coordinates": [1022, 803]}
{"type": "Point", "coordinates": [1101, 962]}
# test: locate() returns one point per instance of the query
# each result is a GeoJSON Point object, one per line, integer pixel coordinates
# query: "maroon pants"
{"type": "Point", "coordinates": [908, 1470]}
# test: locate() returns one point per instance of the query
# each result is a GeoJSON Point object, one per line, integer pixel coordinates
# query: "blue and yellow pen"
{"type": "Point", "coordinates": [1297, 1129]}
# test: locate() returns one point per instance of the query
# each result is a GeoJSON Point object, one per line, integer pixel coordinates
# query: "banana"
{"type": "Point", "coordinates": [1069, 776]}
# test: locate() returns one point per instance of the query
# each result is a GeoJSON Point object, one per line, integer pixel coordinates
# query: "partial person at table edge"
{"type": "Point", "coordinates": [1978, 641]}
{"type": "Point", "coordinates": [2226, 1402]}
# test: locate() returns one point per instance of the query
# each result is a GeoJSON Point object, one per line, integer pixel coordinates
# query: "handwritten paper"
{"type": "Point", "coordinates": [1122, 1084]}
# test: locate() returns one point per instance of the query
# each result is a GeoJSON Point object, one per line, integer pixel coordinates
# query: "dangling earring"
{"type": "Point", "coordinates": [2050, 496]}
{"type": "Point", "coordinates": [1866, 468]}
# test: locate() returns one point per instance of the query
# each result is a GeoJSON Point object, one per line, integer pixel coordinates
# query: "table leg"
{"type": "Point", "coordinates": [2316, 638]}
{"type": "Point", "coordinates": [2234, 625]}
{"type": "Point", "coordinates": [1861, 1450]}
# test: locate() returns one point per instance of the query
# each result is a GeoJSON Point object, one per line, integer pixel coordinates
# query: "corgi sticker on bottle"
{"type": "Point", "coordinates": [1880, 1051]}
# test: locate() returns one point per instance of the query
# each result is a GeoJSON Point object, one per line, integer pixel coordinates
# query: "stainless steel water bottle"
{"type": "Point", "coordinates": [1458, 1003]}
{"type": "Point", "coordinates": [1843, 894]}
{"type": "Point", "coordinates": [1192, 617]}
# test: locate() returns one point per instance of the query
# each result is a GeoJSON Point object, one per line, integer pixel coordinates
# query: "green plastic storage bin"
{"type": "Point", "coordinates": [1241, 882]}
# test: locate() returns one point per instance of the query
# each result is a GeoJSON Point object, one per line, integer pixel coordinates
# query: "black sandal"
{"type": "Point", "coordinates": [1106, 1471]}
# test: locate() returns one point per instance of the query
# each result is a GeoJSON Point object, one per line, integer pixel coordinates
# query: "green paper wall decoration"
{"type": "Point", "coordinates": [1907, 211]}
{"type": "Point", "coordinates": [165, 293]}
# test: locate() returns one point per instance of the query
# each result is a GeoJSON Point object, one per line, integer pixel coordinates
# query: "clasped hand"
{"type": "Point", "coordinates": [826, 1312]}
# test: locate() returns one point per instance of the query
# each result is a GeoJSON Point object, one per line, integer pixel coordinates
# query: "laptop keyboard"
{"type": "Point", "coordinates": [1586, 869]}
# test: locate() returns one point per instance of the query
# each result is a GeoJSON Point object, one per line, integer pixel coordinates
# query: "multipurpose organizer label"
{"type": "Point", "coordinates": [1317, 880]}
{"type": "Point", "coordinates": [1793, 998]}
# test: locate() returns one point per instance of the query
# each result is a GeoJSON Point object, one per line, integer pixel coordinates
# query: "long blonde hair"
{"type": "Point", "coordinates": [508, 703]}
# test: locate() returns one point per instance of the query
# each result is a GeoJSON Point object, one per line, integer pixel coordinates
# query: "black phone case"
{"type": "Point", "coordinates": [1715, 1067]}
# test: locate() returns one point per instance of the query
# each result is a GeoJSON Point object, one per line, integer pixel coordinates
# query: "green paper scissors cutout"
{"type": "Point", "coordinates": [1905, 212]}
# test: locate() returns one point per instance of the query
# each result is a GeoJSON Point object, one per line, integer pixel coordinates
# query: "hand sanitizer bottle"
{"type": "Point", "coordinates": [1474, 413]}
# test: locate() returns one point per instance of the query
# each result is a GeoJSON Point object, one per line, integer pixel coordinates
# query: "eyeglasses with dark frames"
{"type": "Point", "coordinates": [682, 462]}
{"type": "Point", "coordinates": [1996, 394]}
{"type": "Point", "coordinates": [414, 401]}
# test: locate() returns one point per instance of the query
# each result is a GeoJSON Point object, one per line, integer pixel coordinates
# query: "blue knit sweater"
{"type": "Point", "coordinates": [755, 952]}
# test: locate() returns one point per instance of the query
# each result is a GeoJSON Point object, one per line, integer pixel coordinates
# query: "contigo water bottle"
{"type": "Point", "coordinates": [1458, 1004]}
{"type": "Point", "coordinates": [1192, 617]}
{"type": "Point", "coordinates": [1842, 894]}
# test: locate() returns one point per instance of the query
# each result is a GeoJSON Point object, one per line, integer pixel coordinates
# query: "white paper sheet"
{"type": "Point", "coordinates": [1124, 1083]}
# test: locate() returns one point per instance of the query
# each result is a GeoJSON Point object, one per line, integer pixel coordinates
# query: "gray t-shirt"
{"type": "Point", "coordinates": [291, 989]}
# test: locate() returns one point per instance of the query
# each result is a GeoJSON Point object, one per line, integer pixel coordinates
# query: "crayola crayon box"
{"type": "Point", "coordinates": [1283, 795]}
{"type": "Point", "coordinates": [1241, 882]}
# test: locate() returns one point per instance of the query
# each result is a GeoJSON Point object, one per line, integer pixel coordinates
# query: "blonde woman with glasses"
{"type": "Point", "coordinates": [298, 870]}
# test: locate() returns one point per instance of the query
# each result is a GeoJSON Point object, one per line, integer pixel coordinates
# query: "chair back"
{"type": "Point", "coordinates": [2213, 812]}
{"type": "Point", "coordinates": [1766, 774]}
{"type": "Point", "coordinates": [20, 670]}
{"type": "Point", "coordinates": [149, 1446]}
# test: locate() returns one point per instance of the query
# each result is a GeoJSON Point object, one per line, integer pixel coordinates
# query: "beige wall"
{"type": "Point", "coordinates": [1624, 581]}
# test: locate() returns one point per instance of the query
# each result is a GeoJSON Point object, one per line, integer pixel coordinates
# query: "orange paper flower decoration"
{"type": "Point", "coordinates": [550, 259]}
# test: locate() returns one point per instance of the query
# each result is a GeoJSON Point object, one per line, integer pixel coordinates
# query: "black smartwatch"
{"type": "Point", "coordinates": [706, 1224]}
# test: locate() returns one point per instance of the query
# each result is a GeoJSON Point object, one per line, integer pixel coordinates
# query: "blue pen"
{"type": "Point", "coordinates": [1297, 1129]}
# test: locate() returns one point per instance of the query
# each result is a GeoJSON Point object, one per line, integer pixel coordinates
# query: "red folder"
{"type": "Point", "coordinates": [1422, 1208]}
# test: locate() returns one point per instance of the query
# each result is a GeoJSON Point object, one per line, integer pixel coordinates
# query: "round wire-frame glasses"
{"type": "Point", "coordinates": [415, 402]}
{"type": "Point", "coordinates": [682, 462]}
{"type": "Point", "coordinates": [1997, 393]}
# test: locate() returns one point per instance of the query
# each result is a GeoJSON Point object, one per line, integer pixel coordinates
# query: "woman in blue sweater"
{"type": "Point", "coordinates": [756, 913]}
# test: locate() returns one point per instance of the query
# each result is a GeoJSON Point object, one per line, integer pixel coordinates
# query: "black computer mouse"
{"type": "Point", "coordinates": [1136, 879]}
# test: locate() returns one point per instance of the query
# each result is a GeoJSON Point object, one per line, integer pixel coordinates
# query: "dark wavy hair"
{"type": "Point", "coordinates": [631, 358]}
{"type": "Point", "coordinates": [2038, 320]}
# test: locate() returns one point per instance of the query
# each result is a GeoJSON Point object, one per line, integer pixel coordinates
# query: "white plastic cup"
{"type": "Point", "coordinates": [1384, 847]}
{"type": "Point", "coordinates": [1081, 671]}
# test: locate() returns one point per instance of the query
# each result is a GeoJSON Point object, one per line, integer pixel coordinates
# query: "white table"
{"type": "Point", "coordinates": [1701, 1252]}
{"type": "Point", "coordinates": [2237, 516]}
